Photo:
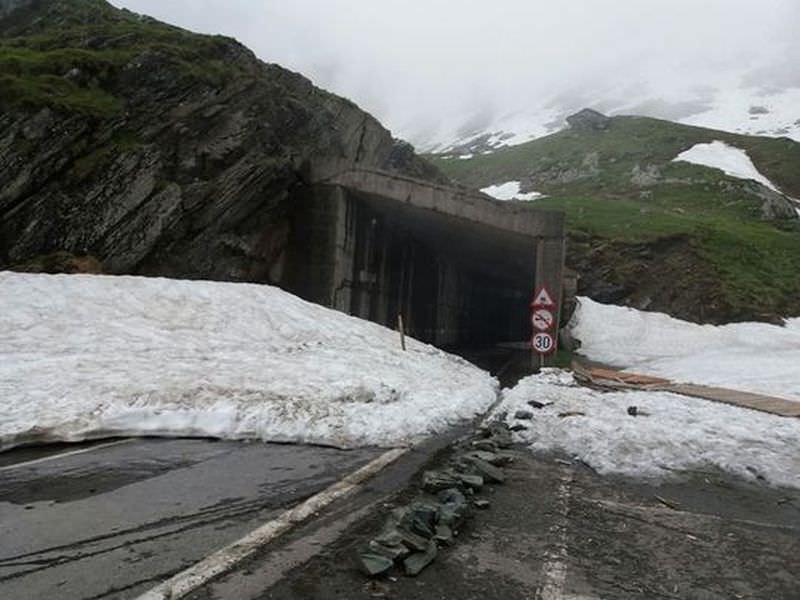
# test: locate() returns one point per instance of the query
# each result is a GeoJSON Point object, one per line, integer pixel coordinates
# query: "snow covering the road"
{"type": "Point", "coordinates": [752, 357]}
{"type": "Point", "coordinates": [675, 434]}
{"type": "Point", "coordinates": [510, 191]}
{"type": "Point", "coordinates": [732, 161]}
{"type": "Point", "coordinates": [88, 356]}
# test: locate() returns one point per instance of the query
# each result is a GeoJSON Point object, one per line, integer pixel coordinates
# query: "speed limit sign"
{"type": "Point", "coordinates": [544, 343]}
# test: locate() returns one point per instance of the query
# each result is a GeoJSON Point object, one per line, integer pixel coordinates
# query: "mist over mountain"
{"type": "Point", "coordinates": [440, 76]}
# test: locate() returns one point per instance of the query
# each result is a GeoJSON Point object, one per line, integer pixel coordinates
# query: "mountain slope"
{"type": "Point", "coordinates": [670, 236]}
{"type": "Point", "coordinates": [149, 149]}
{"type": "Point", "coordinates": [736, 105]}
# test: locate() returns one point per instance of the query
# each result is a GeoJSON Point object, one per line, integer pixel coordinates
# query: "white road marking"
{"type": "Point", "coordinates": [53, 457]}
{"type": "Point", "coordinates": [218, 563]}
{"type": "Point", "coordinates": [555, 568]}
{"type": "Point", "coordinates": [554, 571]}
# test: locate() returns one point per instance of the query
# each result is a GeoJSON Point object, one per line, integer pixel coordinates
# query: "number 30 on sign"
{"type": "Point", "coordinates": [543, 343]}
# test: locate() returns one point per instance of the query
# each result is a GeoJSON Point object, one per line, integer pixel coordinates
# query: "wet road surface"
{"type": "Point", "coordinates": [115, 518]}
{"type": "Point", "coordinates": [556, 531]}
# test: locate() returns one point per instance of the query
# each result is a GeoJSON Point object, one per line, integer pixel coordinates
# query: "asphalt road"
{"type": "Point", "coordinates": [111, 520]}
{"type": "Point", "coordinates": [556, 531]}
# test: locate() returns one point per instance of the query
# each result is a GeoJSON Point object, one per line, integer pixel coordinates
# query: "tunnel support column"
{"type": "Point", "coordinates": [343, 249]}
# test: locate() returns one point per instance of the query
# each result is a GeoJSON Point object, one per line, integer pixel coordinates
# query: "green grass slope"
{"type": "Point", "coordinates": [657, 234]}
{"type": "Point", "coordinates": [95, 41]}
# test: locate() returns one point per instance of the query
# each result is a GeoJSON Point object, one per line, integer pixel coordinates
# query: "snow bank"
{"type": "Point", "coordinates": [677, 433]}
{"type": "Point", "coordinates": [510, 191]}
{"type": "Point", "coordinates": [84, 357]}
{"type": "Point", "coordinates": [753, 357]}
{"type": "Point", "coordinates": [732, 161]}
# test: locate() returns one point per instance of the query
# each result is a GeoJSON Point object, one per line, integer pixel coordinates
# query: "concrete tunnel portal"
{"type": "Point", "coordinates": [459, 267]}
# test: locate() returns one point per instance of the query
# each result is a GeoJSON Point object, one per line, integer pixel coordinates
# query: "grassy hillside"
{"type": "Point", "coordinates": [72, 59]}
{"type": "Point", "coordinates": [632, 212]}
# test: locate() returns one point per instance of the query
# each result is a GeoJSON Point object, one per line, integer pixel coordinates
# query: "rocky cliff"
{"type": "Point", "coordinates": [130, 146]}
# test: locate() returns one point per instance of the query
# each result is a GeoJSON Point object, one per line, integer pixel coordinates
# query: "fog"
{"type": "Point", "coordinates": [419, 63]}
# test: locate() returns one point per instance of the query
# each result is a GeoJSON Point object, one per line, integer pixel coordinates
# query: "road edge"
{"type": "Point", "coordinates": [189, 580]}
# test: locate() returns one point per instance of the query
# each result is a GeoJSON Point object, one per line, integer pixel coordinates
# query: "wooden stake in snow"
{"type": "Point", "coordinates": [402, 330]}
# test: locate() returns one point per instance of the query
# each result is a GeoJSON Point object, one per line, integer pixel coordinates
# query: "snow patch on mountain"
{"type": "Point", "coordinates": [753, 111]}
{"type": "Point", "coordinates": [510, 191]}
{"type": "Point", "coordinates": [732, 161]}
{"type": "Point", "coordinates": [510, 129]}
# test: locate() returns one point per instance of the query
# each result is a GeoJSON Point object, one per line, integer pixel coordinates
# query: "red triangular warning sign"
{"type": "Point", "coordinates": [543, 298]}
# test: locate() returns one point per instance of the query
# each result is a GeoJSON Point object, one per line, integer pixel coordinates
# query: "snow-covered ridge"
{"type": "Point", "coordinates": [738, 109]}
{"type": "Point", "coordinates": [752, 357]}
{"type": "Point", "coordinates": [510, 191]}
{"type": "Point", "coordinates": [84, 356]}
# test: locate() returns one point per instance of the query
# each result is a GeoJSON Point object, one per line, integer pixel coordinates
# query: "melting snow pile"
{"type": "Point", "coordinates": [509, 191]}
{"type": "Point", "coordinates": [732, 161]}
{"type": "Point", "coordinates": [752, 357]}
{"type": "Point", "coordinates": [672, 433]}
{"type": "Point", "coordinates": [84, 357]}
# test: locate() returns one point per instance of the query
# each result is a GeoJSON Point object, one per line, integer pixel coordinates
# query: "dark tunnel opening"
{"type": "Point", "coordinates": [456, 283]}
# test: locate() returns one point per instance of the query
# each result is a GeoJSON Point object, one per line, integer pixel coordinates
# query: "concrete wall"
{"type": "Point", "coordinates": [462, 203]}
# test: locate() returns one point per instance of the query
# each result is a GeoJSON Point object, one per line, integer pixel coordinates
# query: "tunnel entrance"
{"type": "Point", "coordinates": [458, 267]}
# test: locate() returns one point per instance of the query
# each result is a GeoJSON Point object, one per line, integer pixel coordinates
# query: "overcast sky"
{"type": "Point", "coordinates": [415, 62]}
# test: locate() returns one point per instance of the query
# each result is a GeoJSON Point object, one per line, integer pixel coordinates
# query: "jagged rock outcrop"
{"type": "Point", "coordinates": [645, 176]}
{"type": "Point", "coordinates": [776, 207]}
{"type": "Point", "coordinates": [155, 150]}
{"type": "Point", "coordinates": [589, 119]}
{"type": "Point", "coordinates": [561, 173]}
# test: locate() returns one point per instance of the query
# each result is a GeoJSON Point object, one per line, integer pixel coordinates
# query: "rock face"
{"type": "Point", "coordinates": [157, 151]}
{"type": "Point", "coordinates": [589, 119]}
{"type": "Point", "coordinates": [8, 6]}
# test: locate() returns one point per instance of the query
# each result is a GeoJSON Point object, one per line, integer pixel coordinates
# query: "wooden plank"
{"type": "Point", "coordinates": [617, 380]}
{"type": "Point", "coordinates": [770, 404]}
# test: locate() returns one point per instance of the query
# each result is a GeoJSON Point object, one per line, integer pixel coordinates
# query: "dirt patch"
{"type": "Point", "coordinates": [61, 262]}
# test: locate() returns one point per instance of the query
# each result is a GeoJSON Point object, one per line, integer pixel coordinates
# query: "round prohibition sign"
{"type": "Point", "coordinates": [544, 343]}
{"type": "Point", "coordinates": [542, 319]}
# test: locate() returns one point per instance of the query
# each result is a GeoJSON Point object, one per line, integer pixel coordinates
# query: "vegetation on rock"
{"type": "Point", "coordinates": [70, 54]}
